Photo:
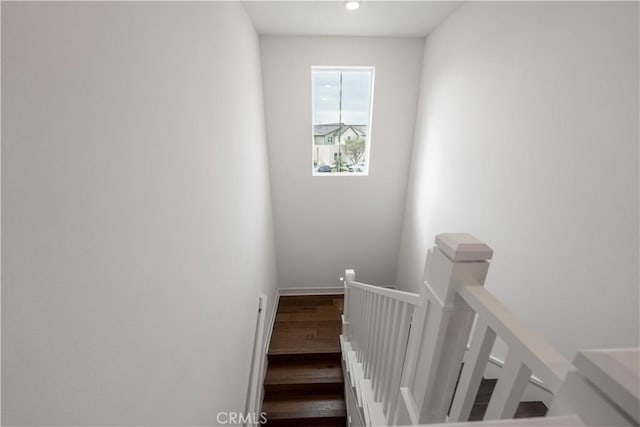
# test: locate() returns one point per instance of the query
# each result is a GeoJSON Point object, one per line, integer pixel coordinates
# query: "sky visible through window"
{"type": "Point", "coordinates": [356, 96]}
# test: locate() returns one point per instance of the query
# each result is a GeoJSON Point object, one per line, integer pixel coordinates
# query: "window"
{"type": "Point", "coordinates": [342, 100]}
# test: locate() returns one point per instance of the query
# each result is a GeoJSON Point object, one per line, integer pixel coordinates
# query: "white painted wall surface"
{"type": "Point", "coordinates": [325, 224]}
{"type": "Point", "coordinates": [527, 137]}
{"type": "Point", "coordinates": [135, 244]}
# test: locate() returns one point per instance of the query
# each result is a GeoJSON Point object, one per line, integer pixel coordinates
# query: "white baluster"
{"type": "Point", "coordinates": [357, 321]}
{"type": "Point", "coordinates": [418, 320]}
{"type": "Point", "coordinates": [391, 394]}
{"type": "Point", "coordinates": [363, 326]}
{"type": "Point", "coordinates": [370, 331]}
{"type": "Point", "coordinates": [367, 329]}
{"type": "Point", "coordinates": [349, 276]}
{"type": "Point", "coordinates": [373, 317]}
{"type": "Point", "coordinates": [389, 348]}
{"type": "Point", "coordinates": [475, 362]}
{"type": "Point", "coordinates": [386, 330]}
{"type": "Point", "coordinates": [509, 389]}
{"type": "Point", "coordinates": [379, 327]}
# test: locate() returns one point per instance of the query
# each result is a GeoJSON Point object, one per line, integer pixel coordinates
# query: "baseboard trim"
{"type": "Point", "coordinates": [310, 291]}
{"type": "Point", "coordinates": [256, 378]}
{"type": "Point", "coordinates": [271, 324]}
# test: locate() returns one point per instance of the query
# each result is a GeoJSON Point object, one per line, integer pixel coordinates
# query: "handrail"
{"type": "Point", "coordinates": [404, 296]}
{"type": "Point", "coordinates": [376, 325]}
{"type": "Point", "coordinates": [547, 364]}
{"type": "Point", "coordinates": [404, 350]}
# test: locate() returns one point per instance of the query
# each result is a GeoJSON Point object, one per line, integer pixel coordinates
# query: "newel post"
{"type": "Point", "coordinates": [454, 261]}
{"type": "Point", "coordinates": [349, 276]}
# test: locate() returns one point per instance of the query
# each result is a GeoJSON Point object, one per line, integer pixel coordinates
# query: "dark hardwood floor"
{"type": "Point", "coordinates": [304, 382]}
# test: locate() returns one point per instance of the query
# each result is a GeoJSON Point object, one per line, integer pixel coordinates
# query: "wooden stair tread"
{"type": "Point", "coordinates": [306, 331]}
{"type": "Point", "coordinates": [297, 308]}
{"type": "Point", "coordinates": [293, 324]}
{"type": "Point", "coordinates": [312, 348]}
{"type": "Point", "coordinates": [297, 357]}
{"type": "Point", "coordinates": [310, 300]}
{"type": "Point", "coordinates": [304, 407]}
{"type": "Point", "coordinates": [305, 340]}
{"type": "Point", "coordinates": [313, 372]}
{"type": "Point", "coordinates": [306, 315]}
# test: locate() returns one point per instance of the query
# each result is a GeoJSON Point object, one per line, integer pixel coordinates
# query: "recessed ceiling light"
{"type": "Point", "coordinates": [352, 5]}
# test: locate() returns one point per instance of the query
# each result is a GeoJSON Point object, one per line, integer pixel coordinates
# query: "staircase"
{"type": "Point", "coordinates": [304, 383]}
{"type": "Point", "coordinates": [394, 357]}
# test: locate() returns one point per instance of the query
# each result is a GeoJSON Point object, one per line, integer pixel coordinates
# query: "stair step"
{"type": "Point", "coordinates": [307, 340]}
{"type": "Point", "coordinates": [304, 346]}
{"type": "Point", "coordinates": [304, 410]}
{"type": "Point", "coordinates": [317, 333]}
{"type": "Point", "coordinates": [330, 355]}
{"type": "Point", "coordinates": [285, 391]}
{"type": "Point", "coordinates": [298, 308]}
{"type": "Point", "coordinates": [307, 315]}
{"type": "Point", "coordinates": [309, 300]}
{"type": "Point", "coordinates": [304, 377]}
{"type": "Point", "coordinates": [295, 324]}
{"type": "Point", "coordinates": [304, 372]}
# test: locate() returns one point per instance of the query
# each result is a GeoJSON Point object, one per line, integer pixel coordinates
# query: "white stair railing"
{"type": "Point", "coordinates": [394, 341]}
{"type": "Point", "coordinates": [376, 321]}
{"type": "Point", "coordinates": [441, 331]}
{"type": "Point", "coordinates": [528, 353]}
{"type": "Point", "coordinates": [402, 351]}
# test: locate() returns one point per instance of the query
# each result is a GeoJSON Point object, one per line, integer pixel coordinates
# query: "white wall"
{"type": "Point", "coordinates": [135, 245]}
{"type": "Point", "coordinates": [527, 137]}
{"type": "Point", "coordinates": [325, 224]}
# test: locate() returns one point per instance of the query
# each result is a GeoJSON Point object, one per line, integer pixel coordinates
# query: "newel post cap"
{"type": "Point", "coordinates": [463, 247]}
{"type": "Point", "coordinates": [349, 275]}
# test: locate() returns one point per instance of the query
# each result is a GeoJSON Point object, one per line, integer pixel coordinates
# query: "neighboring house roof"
{"type": "Point", "coordinates": [338, 128]}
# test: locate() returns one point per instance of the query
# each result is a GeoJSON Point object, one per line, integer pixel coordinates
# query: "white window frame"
{"type": "Point", "coordinates": [367, 150]}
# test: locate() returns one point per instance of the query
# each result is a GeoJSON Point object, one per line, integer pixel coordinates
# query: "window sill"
{"type": "Point", "coordinates": [339, 173]}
